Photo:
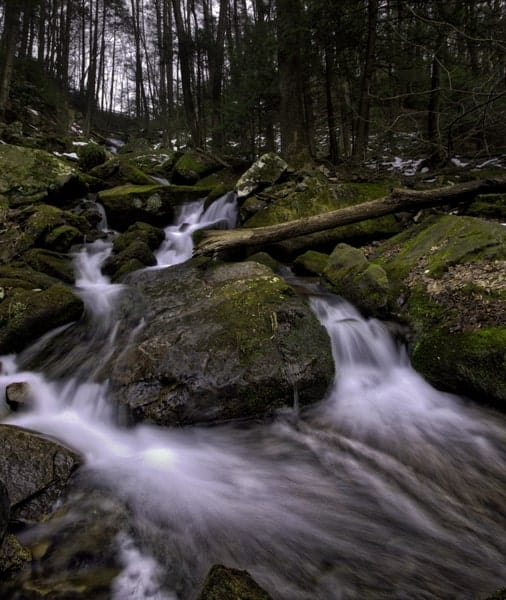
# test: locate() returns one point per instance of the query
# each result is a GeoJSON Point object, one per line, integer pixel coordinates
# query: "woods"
{"type": "Point", "coordinates": [312, 79]}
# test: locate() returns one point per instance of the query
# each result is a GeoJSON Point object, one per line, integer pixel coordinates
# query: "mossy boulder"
{"type": "Point", "coordinates": [192, 166]}
{"type": "Point", "coordinates": [149, 234]}
{"type": "Point", "coordinates": [488, 206]}
{"type": "Point", "coordinates": [224, 583]}
{"type": "Point", "coordinates": [266, 171]}
{"type": "Point", "coordinates": [90, 156]}
{"type": "Point", "coordinates": [13, 556]}
{"type": "Point", "coordinates": [119, 171]}
{"type": "Point", "coordinates": [28, 175]}
{"type": "Point", "coordinates": [135, 256]}
{"type": "Point", "coordinates": [27, 314]}
{"type": "Point", "coordinates": [35, 471]}
{"type": "Point", "coordinates": [311, 263]}
{"type": "Point", "coordinates": [221, 341]}
{"type": "Point", "coordinates": [54, 264]}
{"type": "Point", "coordinates": [353, 277]}
{"type": "Point", "coordinates": [156, 162]}
{"type": "Point", "coordinates": [221, 182]}
{"type": "Point", "coordinates": [15, 278]}
{"type": "Point", "coordinates": [447, 281]}
{"type": "Point", "coordinates": [155, 204]}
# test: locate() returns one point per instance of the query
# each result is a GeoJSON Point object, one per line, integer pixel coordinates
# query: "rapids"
{"type": "Point", "coordinates": [387, 488]}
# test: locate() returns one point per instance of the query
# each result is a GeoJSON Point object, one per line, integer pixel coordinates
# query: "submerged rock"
{"type": "Point", "coordinates": [221, 341]}
{"type": "Point", "coordinates": [224, 583]}
{"type": "Point", "coordinates": [35, 471]}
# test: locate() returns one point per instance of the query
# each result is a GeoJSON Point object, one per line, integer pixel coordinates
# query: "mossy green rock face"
{"type": "Point", "coordinates": [119, 171]}
{"type": "Point", "coordinates": [192, 166]}
{"type": "Point", "coordinates": [13, 556]}
{"type": "Point", "coordinates": [221, 341]}
{"type": "Point", "coordinates": [352, 276]}
{"type": "Point", "coordinates": [152, 236]}
{"type": "Point", "coordinates": [35, 471]}
{"type": "Point", "coordinates": [311, 262]}
{"type": "Point", "coordinates": [155, 204]}
{"type": "Point", "coordinates": [223, 583]}
{"type": "Point", "coordinates": [266, 171]}
{"type": "Point", "coordinates": [489, 206]}
{"type": "Point", "coordinates": [156, 162]}
{"type": "Point", "coordinates": [448, 281]}
{"type": "Point", "coordinates": [27, 314]}
{"type": "Point", "coordinates": [136, 255]}
{"type": "Point", "coordinates": [28, 175]}
{"type": "Point", "coordinates": [54, 264]}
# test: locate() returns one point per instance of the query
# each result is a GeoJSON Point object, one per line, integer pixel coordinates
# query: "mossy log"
{"type": "Point", "coordinates": [213, 241]}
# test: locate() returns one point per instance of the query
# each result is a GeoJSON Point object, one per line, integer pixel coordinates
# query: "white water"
{"type": "Point", "coordinates": [386, 489]}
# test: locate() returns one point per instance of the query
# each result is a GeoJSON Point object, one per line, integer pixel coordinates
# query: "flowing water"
{"type": "Point", "coordinates": [385, 489]}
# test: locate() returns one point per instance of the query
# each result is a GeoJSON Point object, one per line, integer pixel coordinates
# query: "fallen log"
{"type": "Point", "coordinates": [215, 241]}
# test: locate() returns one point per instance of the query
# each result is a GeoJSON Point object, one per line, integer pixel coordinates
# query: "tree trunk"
{"type": "Point", "coordinates": [398, 200]}
{"type": "Point", "coordinates": [8, 51]}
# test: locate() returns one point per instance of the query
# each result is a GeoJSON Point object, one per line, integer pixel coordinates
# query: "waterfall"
{"type": "Point", "coordinates": [387, 488]}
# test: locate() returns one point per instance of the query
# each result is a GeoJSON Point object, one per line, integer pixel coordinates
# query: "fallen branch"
{"type": "Point", "coordinates": [214, 241]}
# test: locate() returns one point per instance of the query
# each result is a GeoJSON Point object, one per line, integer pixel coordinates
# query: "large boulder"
{"type": "Point", "coordinates": [5, 506]}
{"type": "Point", "coordinates": [221, 341]}
{"type": "Point", "coordinates": [267, 170]}
{"type": "Point", "coordinates": [192, 166]}
{"type": "Point", "coordinates": [155, 204]}
{"type": "Point", "coordinates": [28, 175]}
{"type": "Point", "coordinates": [25, 315]}
{"type": "Point", "coordinates": [35, 471]}
{"type": "Point", "coordinates": [225, 583]}
{"type": "Point", "coordinates": [448, 281]}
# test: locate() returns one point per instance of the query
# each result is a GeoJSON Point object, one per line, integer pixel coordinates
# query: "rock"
{"type": "Point", "coordinates": [192, 166]}
{"type": "Point", "coordinates": [74, 554]}
{"type": "Point", "coordinates": [91, 155]}
{"type": "Point", "coordinates": [224, 583]}
{"type": "Point", "coordinates": [54, 264]}
{"type": "Point", "coordinates": [5, 506]}
{"type": "Point", "coordinates": [35, 471]}
{"type": "Point", "coordinates": [488, 206]}
{"type": "Point", "coordinates": [136, 255]}
{"type": "Point", "coordinates": [155, 162]}
{"type": "Point", "coordinates": [13, 556]}
{"type": "Point", "coordinates": [153, 204]}
{"type": "Point", "coordinates": [447, 281]}
{"type": "Point", "coordinates": [353, 277]}
{"type": "Point", "coordinates": [28, 175]}
{"type": "Point", "coordinates": [267, 170]}
{"type": "Point", "coordinates": [221, 341]}
{"type": "Point", "coordinates": [150, 235]}
{"type": "Point", "coordinates": [119, 171]}
{"type": "Point", "coordinates": [311, 263]}
{"type": "Point", "coordinates": [27, 314]}
{"type": "Point", "coordinates": [18, 396]}
{"type": "Point", "coordinates": [17, 278]}
{"type": "Point", "coordinates": [497, 595]}
{"type": "Point", "coordinates": [62, 238]}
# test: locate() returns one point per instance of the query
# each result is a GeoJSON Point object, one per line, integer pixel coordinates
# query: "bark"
{"type": "Point", "coordinates": [398, 200]}
{"type": "Point", "coordinates": [8, 51]}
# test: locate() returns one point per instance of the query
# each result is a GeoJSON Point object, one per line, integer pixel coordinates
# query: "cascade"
{"type": "Point", "coordinates": [386, 488]}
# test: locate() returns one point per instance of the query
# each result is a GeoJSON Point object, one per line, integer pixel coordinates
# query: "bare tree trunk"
{"type": "Point", "coordinates": [398, 200]}
{"type": "Point", "coordinates": [8, 51]}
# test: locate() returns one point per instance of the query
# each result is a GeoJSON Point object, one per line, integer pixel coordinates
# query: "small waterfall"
{"type": "Point", "coordinates": [385, 489]}
{"type": "Point", "coordinates": [178, 244]}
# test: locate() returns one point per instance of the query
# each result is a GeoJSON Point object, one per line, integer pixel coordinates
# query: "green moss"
{"type": "Point", "coordinates": [90, 156]}
{"type": "Point", "coordinates": [355, 193]}
{"type": "Point", "coordinates": [62, 238]}
{"type": "Point", "coordinates": [311, 262]}
{"type": "Point", "coordinates": [13, 556]}
{"type": "Point", "coordinates": [192, 166]}
{"type": "Point", "coordinates": [152, 236]}
{"type": "Point", "coordinates": [223, 583]}
{"type": "Point", "coordinates": [54, 264]}
{"type": "Point", "coordinates": [491, 206]}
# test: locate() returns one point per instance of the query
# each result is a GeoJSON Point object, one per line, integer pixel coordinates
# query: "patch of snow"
{"type": "Point", "coordinates": [33, 111]}
{"type": "Point", "coordinates": [80, 143]}
{"type": "Point", "coordinates": [69, 155]}
{"type": "Point", "coordinates": [425, 170]}
{"type": "Point", "coordinates": [490, 161]}
{"type": "Point", "coordinates": [458, 163]}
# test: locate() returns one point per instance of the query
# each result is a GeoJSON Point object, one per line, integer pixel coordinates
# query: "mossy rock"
{"type": "Point", "coordinates": [311, 263]}
{"type": "Point", "coordinates": [497, 595]}
{"type": "Point", "coordinates": [62, 238]}
{"type": "Point", "coordinates": [119, 171]}
{"type": "Point", "coordinates": [362, 283]}
{"type": "Point", "coordinates": [149, 234]}
{"type": "Point", "coordinates": [222, 181]}
{"type": "Point", "coordinates": [224, 583]}
{"type": "Point", "coordinates": [54, 264]}
{"type": "Point", "coordinates": [472, 364]}
{"type": "Point", "coordinates": [266, 171]}
{"type": "Point", "coordinates": [24, 278]}
{"type": "Point", "coordinates": [5, 506]}
{"type": "Point", "coordinates": [156, 162]}
{"type": "Point", "coordinates": [226, 341]}
{"type": "Point", "coordinates": [29, 314]}
{"type": "Point", "coordinates": [154, 204]}
{"type": "Point", "coordinates": [265, 259]}
{"type": "Point", "coordinates": [192, 166]}
{"type": "Point", "coordinates": [136, 255]}
{"type": "Point", "coordinates": [90, 156]}
{"type": "Point", "coordinates": [13, 556]}
{"type": "Point", "coordinates": [28, 175]}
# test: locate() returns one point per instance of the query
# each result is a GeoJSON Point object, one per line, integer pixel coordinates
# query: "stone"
{"type": "Point", "coordinates": [35, 471]}
{"type": "Point", "coordinates": [136, 255]}
{"type": "Point", "coordinates": [267, 170]}
{"type": "Point", "coordinates": [225, 583]}
{"type": "Point", "coordinates": [17, 395]}
{"type": "Point", "coordinates": [5, 506]}
{"type": "Point", "coordinates": [221, 341]}
{"type": "Point", "coordinates": [192, 166]}
{"type": "Point", "coordinates": [54, 264]}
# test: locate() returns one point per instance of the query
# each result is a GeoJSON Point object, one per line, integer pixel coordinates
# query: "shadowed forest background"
{"type": "Point", "coordinates": [310, 78]}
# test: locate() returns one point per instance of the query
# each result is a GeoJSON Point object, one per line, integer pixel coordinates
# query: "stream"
{"type": "Point", "coordinates": [387, 488]}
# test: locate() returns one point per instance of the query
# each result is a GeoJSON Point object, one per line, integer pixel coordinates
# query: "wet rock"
{"type": "Point", "coordinates": [119, 171]}
{"type": "Point", "coordinates": [311, 263]}
{"type": "Point", "coordinates": [28, 175]}
{"type": "Point", "coordinates": [224, 583]}
{"type": "Point", "coordinates": [35, 471]}
{"type": "Point", "coordinates": [27, 314]}
{"type": "Point", "coordinates": [54, 264]}
{"type": "Point", "coordinates": [448, 282]}
{"type": "Point", "coordinates": [267, 170]}
{"type": "Point", "coordinates": [192, 166]}
{"type": "Point", "coordinates": [353, 277]}
{"type": "Point", "coordinates": [5, 506]}
{"type": "Point", "coordinates": [13, 556]}
{"type": "Point", "coordinates": [150, 235]}
{"type": "Point", "coordinates": [18, 396]}
{"type": "Point", "coordinates": [221, 341]}
{"type": "Point", "coordinates": [135, 256]}
{"type": "Point", "coordinates": [91, 155]}
{"type": "Point", "coordinates": [154, 204]}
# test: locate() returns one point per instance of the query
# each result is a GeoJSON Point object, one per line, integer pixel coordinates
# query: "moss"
{"type": "Point", "coordinates": [132, 174]}
{"type": "Point", "coordinates": [223, 583]}
{"type": "Point", "coordinates": [356, 193]}
{"type": "Point", "coordinates": [490, 206]}
{"type": "Point", "coordinates": [264, 259]}
{"type": "Point", "coordinates": [152, 236]}
{"type": "Point", "coordinates": [54, 264]}
{"type": "Point", "coordinates": [91, 156]}
{"type": "Point", "coordinates": [135, 254]}
{"type": "Point", "coordinates": [470, 363]}
{"type": "Point", "coordinates": [13, 556]}
{"type": "Point", "coordinates": [497, 595]}
{"type": "Point", "coordinates": [192, 166]}
{"type": "Point", "coordinates": [267, 170]}
{"type": "Point", "coordinates": [62, 238]}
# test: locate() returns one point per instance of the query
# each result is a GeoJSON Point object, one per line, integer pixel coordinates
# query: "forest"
{"type": "Point", "coordinates": [336, 81]}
